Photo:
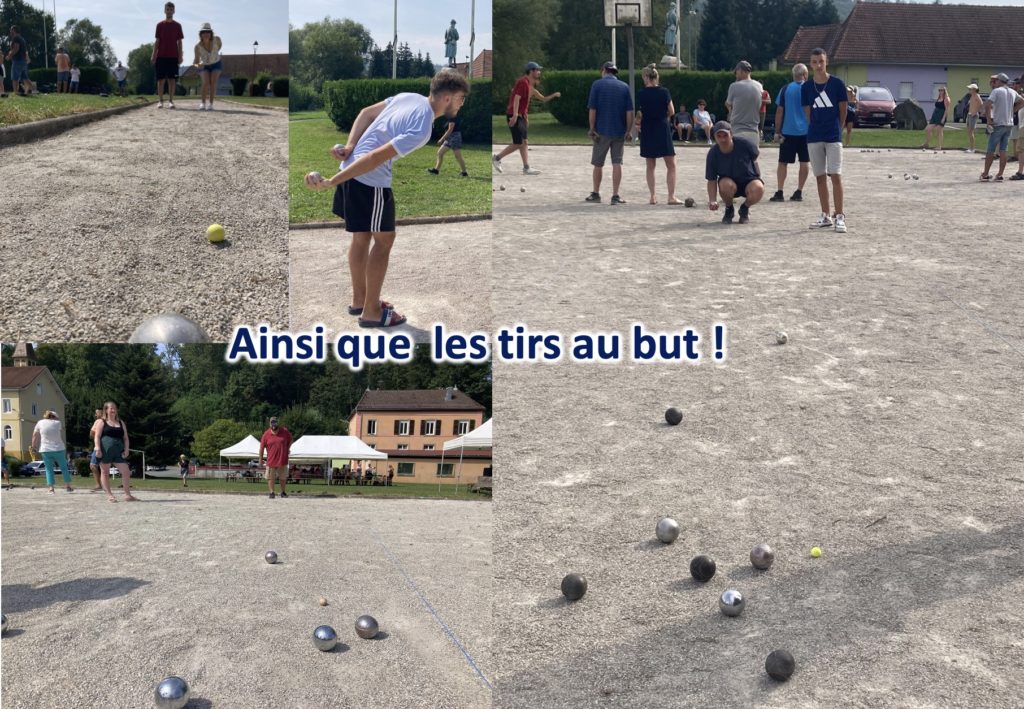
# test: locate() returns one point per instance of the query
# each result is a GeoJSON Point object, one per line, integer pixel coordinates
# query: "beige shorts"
{"type": "Point", "coordinates": [277, 473]}
{"type": "Point", "coordinates": [826, 158]}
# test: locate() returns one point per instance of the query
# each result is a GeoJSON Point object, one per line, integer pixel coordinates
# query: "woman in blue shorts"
{"type": "Point", "coordinates": [209, 63]}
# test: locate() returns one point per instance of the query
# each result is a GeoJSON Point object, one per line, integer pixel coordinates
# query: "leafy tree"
{"type": "Point", "coordinates": [141, 387]}
{"type": "Point", "coordinates": [197, 411]}
{"type": "Point", "coordinates": [720, 40]}
{"type": "Point", "coordinates": [85, 43]}
{"type": "Point", "coordinates": [222, 433]}
{"type": "Point", "coordinates": [141, 72]}
{"type": "Point", "coordinates": [29, 20]}
{"type": "Point", "coordinates": [379, 66]}
{"type": "Point", "coordinates": [521, 29]}
{"type": "Point", "coordinates": [328, 50]}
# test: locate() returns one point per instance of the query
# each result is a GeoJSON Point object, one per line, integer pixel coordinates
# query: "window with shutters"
{"type": "Point", "coordinates": [463, 427]}
{"type": "Point", "coordinates": [430, 428]}
{"type": "Point", "coordinates": [402, 428]}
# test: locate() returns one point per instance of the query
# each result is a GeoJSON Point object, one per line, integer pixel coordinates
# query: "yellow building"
{"type": "Point", "coordinates": [411, 426]}
{"type": "Point", "coordinates": [28, 391]}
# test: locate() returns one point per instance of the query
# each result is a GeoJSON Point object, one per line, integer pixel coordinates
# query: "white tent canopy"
{"type": "Point", "coordinates": [248, 447]}
{"type": "Point", "coordinates": [333, 448]}
{"type": "Point", "coordinates": [477, 439]}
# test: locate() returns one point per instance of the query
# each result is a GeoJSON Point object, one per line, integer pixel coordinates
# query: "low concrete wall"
{"type": "Point", "coordinates": [37, 130]}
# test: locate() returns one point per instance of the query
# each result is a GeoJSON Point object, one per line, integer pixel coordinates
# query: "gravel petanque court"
{"type": "Point", "coordinates": [107, 224]}
{"type": "Point", "coordinates": [438, 273]}
{"type": "Point", "coordinates": [105, 600]}
{"type": "Point", "coordinates": [887, 432]}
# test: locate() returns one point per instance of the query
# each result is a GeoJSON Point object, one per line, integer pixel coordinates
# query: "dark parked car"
{"type": "Point", "coordinates": [960, 109]}
{"type": "Point", "coordinates": [875, 107]}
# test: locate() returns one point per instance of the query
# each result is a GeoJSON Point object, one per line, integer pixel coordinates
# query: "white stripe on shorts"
{"type": "Point", "coordinates": [378, 209]}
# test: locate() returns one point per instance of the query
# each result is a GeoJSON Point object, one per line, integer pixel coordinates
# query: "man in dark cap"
{"type": "Point", "coordinates": [611, 120]}
{"type": "Point", "coordinates": [732, 172]}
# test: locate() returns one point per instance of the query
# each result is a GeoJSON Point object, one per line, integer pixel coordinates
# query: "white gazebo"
{"type": "Point", "coordinates": [479, 438]}
{"type": "Point", "coordinates": [332, 448]}
{"type": "Point", "coordinates": [248, 447]}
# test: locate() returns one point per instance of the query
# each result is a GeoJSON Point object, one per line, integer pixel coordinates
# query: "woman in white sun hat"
{"type": "Point", "coordinates": [209, 64]}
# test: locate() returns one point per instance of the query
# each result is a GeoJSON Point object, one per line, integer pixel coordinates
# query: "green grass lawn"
{"type": "Point", "coordinates": [545, 130]}
{"type": "Point", "coordinates": [417, 193]}
{"type": "Point", "coordinates": [278, 101]}
{"type": "Point", "coordinates": [317, 488]}
{"type": "Point", "coordinates": [15, 110]}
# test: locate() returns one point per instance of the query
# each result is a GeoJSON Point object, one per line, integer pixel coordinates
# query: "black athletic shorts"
{"type": "Point", "coordinates": [793, 146]}
{"type": "Point", "coordinates": [519, 130]}
{"type": "Point", "coordinates": [365, 208]}
{"type": "Point", "coordinates": [166, 68]}
{"type": "Point", "coordinates": [741, 187]}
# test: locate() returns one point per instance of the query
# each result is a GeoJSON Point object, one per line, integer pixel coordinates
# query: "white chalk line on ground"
{"type": "Point", "coordinates": [983, 324]}
{"type": "Point", "coordinates": [423, 599]}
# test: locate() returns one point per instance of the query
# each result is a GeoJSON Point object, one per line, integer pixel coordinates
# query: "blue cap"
{"type": "Point", "coordinates": [530, 66]}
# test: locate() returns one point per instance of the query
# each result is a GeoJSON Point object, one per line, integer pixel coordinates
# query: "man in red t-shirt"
{"type": "Point", "coordinates": [518, 115]}
{"type": "Point", "coordinates": [167, 55]}
{"type": "Point", "coordinates": [276, 441]}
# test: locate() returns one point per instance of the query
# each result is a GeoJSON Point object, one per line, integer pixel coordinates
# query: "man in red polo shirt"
{"type": "Point", "coordinates": [276, 441]}
{"type": "Point", "coordinates": [518, 115]}
{"type": "Point", "coordinates": [167, 55]}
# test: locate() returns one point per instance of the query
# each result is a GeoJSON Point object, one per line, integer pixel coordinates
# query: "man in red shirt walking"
{"type": "Point", "coordinates": [276, 441]}
{"type": "Point", "coordinates": [518, 115]}
{"type": "Point", "coordinates": [167, 55]}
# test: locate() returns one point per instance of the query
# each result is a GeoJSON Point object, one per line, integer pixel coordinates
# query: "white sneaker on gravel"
{"type": "Point", "coordinates": [496, 163]}
{"type": "Point", "coordinates": [170, 104]}
{"type": "Point", "coordinates": [840, 224]}
{"type": "Point", "coordinates": [202, 106]}
{"type": "Point", "coordinates": [823, 221]}
{"type": "Point", "coordinates": [530, 171]}
{"type": "Point", "coordinates": [209, 107]}
{"type": "Point", "coordinates": [160, 105]}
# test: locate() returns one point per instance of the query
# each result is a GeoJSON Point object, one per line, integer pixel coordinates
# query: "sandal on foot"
{"type": "Point", "coordinates": [985, 177]}
{"type": "Point", "coordinates": [111, 498]}
{"type": "Point", "coordinates": [999, 178]}
{"type": "Point", "coordinates": [352, 310]}
{"type": "Point", "coordinates": [70, 489]}
{"type": "Point", "coordinates": [130, 498]}
{"type": "Point", "coordinates": [50, 491]}
{"type": "Point", "coordinates": [389, 318]}
{"type": "Point", "coordinates": [1017, 176]}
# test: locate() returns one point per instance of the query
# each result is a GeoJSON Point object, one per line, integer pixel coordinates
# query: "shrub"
{"type": "Point", "coordinates": [686, 87]}
{"type": "Point", "coordinates": [303, 98]}
{"type": "Point", "coordinates": [343, 100]}
{"type": "Point", "coordinates": [280, 86]}
{"type": "Point", "coordinates": [258, 87]}
{"type": "Point", "coordinates": [238, 84]}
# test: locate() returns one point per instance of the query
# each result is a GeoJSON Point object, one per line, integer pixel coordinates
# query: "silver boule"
{"type": "Point", "coordinates": [271, 557]}
{"type": "Point", "coordinates": [172, 693]}
{"type": "Point", "coordinates": [366, 627]}
{"type": "Point", "coordinates": [731, 603]}
{"type": "Point", "coordinates": [667, 530]}
{"type": "Point", "coordinates": [762, 557]}
{"type": "Point", "coordinates": [325, 638]}
{"type": "Point", "coordinates": [781, 338]}
{"type": "Point", "coordinates": [169, 328]}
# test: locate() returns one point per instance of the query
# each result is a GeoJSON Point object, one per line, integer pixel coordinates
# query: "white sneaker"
{"type": "Point", "coordinates": [209, 107]}
{"type": "Point", "coordinates": [496, 163]}
{"type": "Point", "coordinates": [160, 105]}
{"type": "Point", "coordinates": [840, 224]}
{"type": "Point", "coordinates": [170, 104]}
{"type": "Point", "coordinates": [530, 171]}
{"type": "Point", "coordinates": [202, 106]}
{"type": "Point", "coordinates": [823, 221]}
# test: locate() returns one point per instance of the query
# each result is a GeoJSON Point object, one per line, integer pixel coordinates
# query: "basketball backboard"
{"type": "Point", "coordinates": [619, 13]}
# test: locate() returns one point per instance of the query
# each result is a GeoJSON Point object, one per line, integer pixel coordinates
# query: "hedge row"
{"type": "Point", "coordinates": [302, 97]}
{"type": "Point", "coordinates": [343, 100]}
{"type": "Point", "coordinates": [686, 87]}
{"type": "Point", "coordinates": [92, 77]}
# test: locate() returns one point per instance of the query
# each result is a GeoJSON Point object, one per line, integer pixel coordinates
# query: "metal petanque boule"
{"type": "Point", "coordinates": [270, 557]}
{"type": "Point", "coordinates": [702, 568]}
{"type": "Point", "coordinates": [574, 586]}
{"type": "Point", "coordinates": [366, 627]}
{"type": "Point", "coordinates": [780, 665]}
{"type": "Point", "coordinates": [674, 416]}
{"type": "Point", "coordinates": [169, 328]}
{"type": "Point", "coordinates": [781, 338]}
{"type": "Point", "coordinates": [762, 557]}
{"type": "Point", "coordinates": [689, 202]}
{"type": "Point", "coordinates": [667, 530]}
{"type": "Point", "coordinates": [325, 638]}
{"type": "Point", "coordinates": [731, 603]}
{"type": "Point", "coordinates": [172, 693]}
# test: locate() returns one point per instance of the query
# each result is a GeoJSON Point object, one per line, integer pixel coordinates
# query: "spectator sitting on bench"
{"type": "Point", "coordinates": [682, 124]}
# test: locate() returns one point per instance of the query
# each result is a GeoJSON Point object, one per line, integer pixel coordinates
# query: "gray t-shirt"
{"type": "Point", "coordinates": [1002, 99]}
{"type": "Point", "coordinates": [745, 98]}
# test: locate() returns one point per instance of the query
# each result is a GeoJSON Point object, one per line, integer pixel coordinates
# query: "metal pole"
{"type": "Point", "coordinates": [394, 47]}
{"type": "Point", "coordinates": [472, 37]}
{"type": "Point", "coordinates": [613, 45]}
{"type": "Point", "coordinates": [632, 75]}
{"type": "Point", "coordinates": [679, 37]}
{"type": "Point", "coordinates": [693, 43]}
{"type": "Point", "coordinates": [46, 52]}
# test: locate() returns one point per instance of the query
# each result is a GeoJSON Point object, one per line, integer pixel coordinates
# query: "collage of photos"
{"type": "Point", "coordinates": [736, 283]}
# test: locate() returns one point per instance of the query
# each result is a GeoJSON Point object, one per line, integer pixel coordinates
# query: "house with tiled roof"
{"type": "Point", "coordinates": [412, 426]}
{"type": "Point", "coordinates": [237, 65]}
{"type": "Point", "coordinates": [27, 391]}
{"type": "Point", "coordinates": [483, 66]}
{"type": "Point", "coordinates": [912, 49]}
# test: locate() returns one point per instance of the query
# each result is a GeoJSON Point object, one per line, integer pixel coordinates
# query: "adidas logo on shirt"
{"type": "Point", "coordinates": [822, 101]}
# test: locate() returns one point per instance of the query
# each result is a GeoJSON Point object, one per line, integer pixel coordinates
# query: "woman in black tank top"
{"type": "Point", "coordinates": [111, 441]}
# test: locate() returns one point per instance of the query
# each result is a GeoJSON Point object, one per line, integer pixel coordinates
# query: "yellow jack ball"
{"type": "Point", "coordinates": [215, 233]}
{"type": "Point", "coordinates": [815, 552]}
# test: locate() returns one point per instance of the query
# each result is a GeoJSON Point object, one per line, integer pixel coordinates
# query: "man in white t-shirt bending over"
{"type": "Point", "coordinates": [382, 132]}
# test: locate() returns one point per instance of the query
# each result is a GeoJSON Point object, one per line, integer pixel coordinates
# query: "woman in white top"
{"type": "Point", "coordinates": [702, 120]}
{"type": "Point", "coordinates": [49, 442]}
{"type": "Point", "coordinates": [209, 64]}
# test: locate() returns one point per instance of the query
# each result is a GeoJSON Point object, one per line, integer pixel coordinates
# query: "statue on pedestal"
{"type": "Point", "coordinates": [451, 37]}
{"type": "Point", "coordinates": [671, 29]}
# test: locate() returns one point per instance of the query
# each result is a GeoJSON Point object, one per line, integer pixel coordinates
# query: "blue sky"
{"type": "Point", "coordinates": [421, 24]}
{"type": "Point", "coordinates": [131, 23]}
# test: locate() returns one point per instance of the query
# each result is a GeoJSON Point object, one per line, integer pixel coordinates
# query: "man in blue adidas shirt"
{"type": "Point", "coordinates": [382, 132]}
{"type": "Point", "coordinates": [792, 123]}
{"type": "Point", "coordinates": [824, 100]}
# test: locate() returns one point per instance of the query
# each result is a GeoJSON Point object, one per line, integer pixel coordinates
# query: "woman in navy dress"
{"type": "Point", "coordinates": [654, 104]}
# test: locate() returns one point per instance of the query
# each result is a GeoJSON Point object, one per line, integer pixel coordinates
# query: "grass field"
{"type": "Point", "coordinates": [545, 130]}
{"type": "Point", "coordinates": [315, 488]}
{"type": "Point", "coordinates": [15, 110]}
{"type": "Point", "coordinates": [418, 194]}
